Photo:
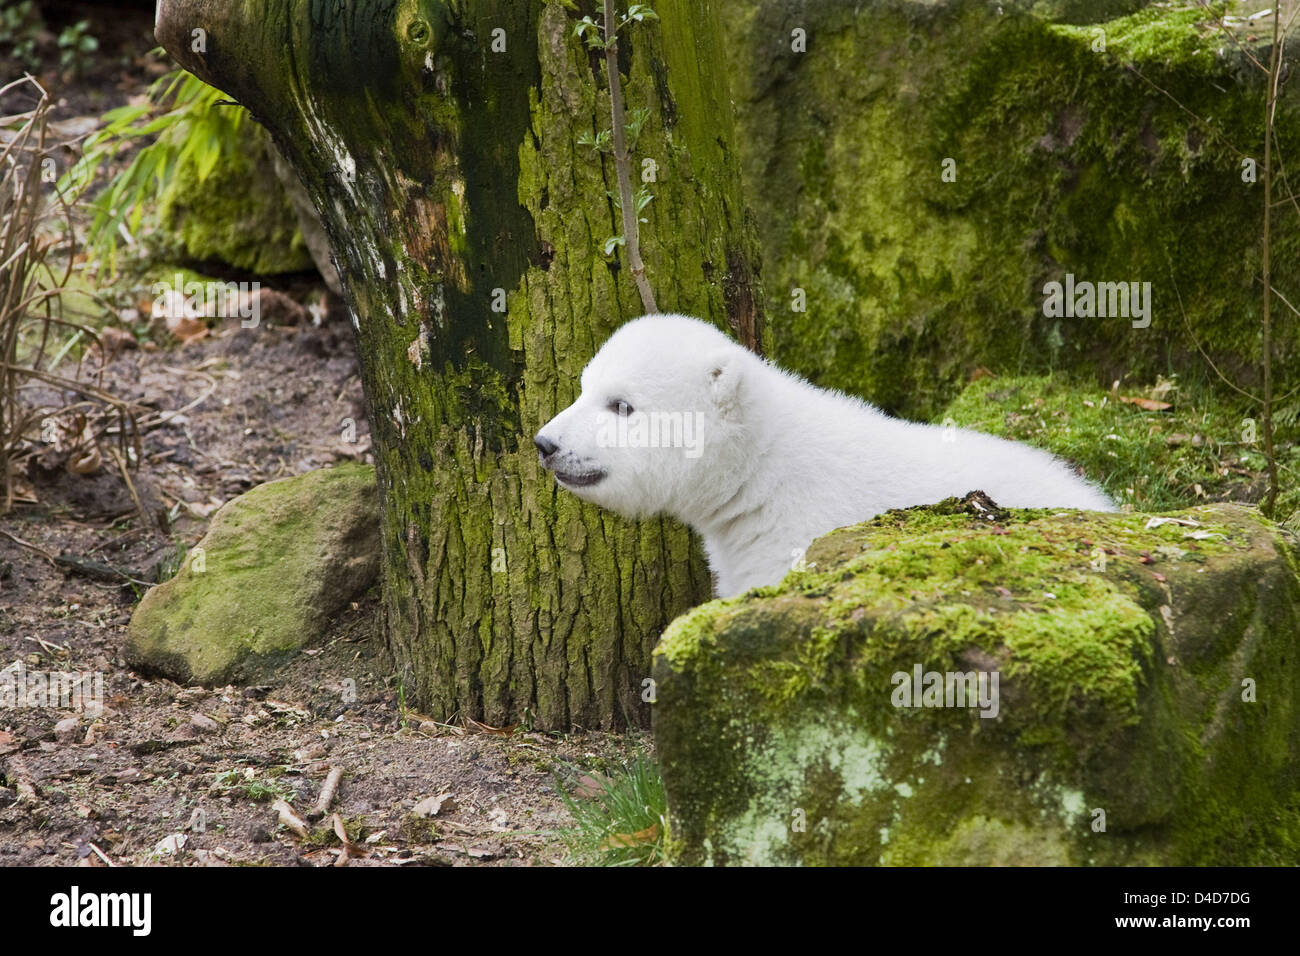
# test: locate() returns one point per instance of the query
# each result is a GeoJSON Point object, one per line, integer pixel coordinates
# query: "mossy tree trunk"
{"type": "Point", "coordinates": [440, 143]}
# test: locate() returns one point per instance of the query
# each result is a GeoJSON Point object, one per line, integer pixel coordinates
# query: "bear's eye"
{"type": "Point", "coordinates": [620, 408]}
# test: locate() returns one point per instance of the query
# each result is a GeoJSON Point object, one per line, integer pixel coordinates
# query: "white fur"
{"type": "Point", "coordinates": [781, 461]}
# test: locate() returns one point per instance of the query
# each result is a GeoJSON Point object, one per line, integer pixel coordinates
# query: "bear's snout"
{"type": "Point", "coordinates": [545, 445]}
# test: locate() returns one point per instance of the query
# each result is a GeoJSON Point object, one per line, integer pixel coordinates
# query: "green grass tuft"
{"type": "Point", "coordinates": [623, 822]}
{"type": "Point", "coordinates": [1198, 450]}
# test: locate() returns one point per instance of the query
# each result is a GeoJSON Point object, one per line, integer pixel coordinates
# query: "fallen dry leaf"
{"type": "Point", "coordinates": [184, 327]}
{"type": "Point", "coordinates": [289, 818]}
{"type": "Point", "coordinates": [341, 832]}
{"type": "Point", "coordinates": [1149, 404]}
{"type": "Point", "coordinates": [200, 509]}
{"type": "Point", "coordinates": [432, 806]}
{"type": "Point", "coordinates": [115, 340]}
{"type": "Point", "coordinates": [627, 840]}
{"type": "Point", "coordinates": [478, 728]}
{"type": "Point", "coordinates": [86, 461]}
{"type": "Point", "coordinates": [23, 491]}
{"type": "Point", "coordinates": [1157, 522]}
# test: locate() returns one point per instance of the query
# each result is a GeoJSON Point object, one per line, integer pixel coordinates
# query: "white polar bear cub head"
{"type": "Point", "coordinates": [657, 427]}
{"type": "Point", "coordinates": [676, 418]}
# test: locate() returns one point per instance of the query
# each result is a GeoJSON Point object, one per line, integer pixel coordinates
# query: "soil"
{"type": "Point", "coordinates": [174, 775]}
{"type": "Point", "coordinates": [124, 781]}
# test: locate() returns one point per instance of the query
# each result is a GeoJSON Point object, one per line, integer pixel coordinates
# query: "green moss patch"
{"type": "Point", "coordinates": [1200, 448]}
{"type": "Point", "coordinates": [276, 565]}
{"type": "Point", "coordinates": [237, 214]}
{"type": "Point", "coordinates": [1120, 643]}
{"type": "Point", "coordinates": [1072, 148]}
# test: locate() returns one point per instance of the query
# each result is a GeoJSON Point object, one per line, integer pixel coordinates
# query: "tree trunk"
{"type": "Point", "coordinates": [440, 145]}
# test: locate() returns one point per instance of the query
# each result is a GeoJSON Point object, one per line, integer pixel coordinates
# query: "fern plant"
{"type": "Point", "coordinates": [188, 123]}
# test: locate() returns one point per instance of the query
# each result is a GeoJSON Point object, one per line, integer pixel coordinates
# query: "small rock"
{"type": "Point", "coordinates": [204, 724]}
{"type": "Point", "coordinates": [281, 560]}
{"type": "Point", "coordinates": [67, 730]}
{"type": "Point", "coordinates": [170, 845]}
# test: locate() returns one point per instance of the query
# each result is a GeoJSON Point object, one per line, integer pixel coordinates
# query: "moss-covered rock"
{"type": "Point", "coordinates": [1143, 696]}
{"type": "Point", "coordinates": [238, 214]}
{"type": "Point", "coordinates": [276, 565]}
{"type": "Point", "coordinates": [1108, 145]}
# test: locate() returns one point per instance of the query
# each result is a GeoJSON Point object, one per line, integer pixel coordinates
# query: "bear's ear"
{"type": "Point", "coordinates": [725, 374]}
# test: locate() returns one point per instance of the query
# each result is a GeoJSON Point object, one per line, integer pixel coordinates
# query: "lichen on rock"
{"type": "Point", "coordinates": [275, 566]}
{"type": "Point", "coordinates": [1145, 682]}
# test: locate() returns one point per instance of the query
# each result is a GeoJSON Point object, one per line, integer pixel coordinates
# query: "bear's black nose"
{"type": "Point", "coordinates": [545, 445]}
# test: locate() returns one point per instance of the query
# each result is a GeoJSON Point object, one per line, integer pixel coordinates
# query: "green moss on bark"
{"type": "Point", "coordinates": [450, 179]}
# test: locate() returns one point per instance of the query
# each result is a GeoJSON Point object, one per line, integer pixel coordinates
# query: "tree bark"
{"type": "Point", "coordinates": [450, 180]}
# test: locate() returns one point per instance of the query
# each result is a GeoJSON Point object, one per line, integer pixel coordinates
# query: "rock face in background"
{"type": "Point", "coordinates": [278, 563]}
{"type": "Point", "coordinates": [239, 215]}
{"type": "Point", "coordinates": [1066, 159]}
{"type": "Point", "coordinates": [1127, 649]}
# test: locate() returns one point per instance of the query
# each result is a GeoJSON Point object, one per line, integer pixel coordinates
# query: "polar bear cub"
{"type": "Point", "coordinates": [676, 418]}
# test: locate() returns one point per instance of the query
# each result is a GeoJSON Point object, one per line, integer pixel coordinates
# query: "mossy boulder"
{"type": "Point", "coordinates": [1146, 708]}
{"type": "Point", "coordinates": [276, 565]}
{"type": "Point", "coordinates": [1104, 140]}
{"type": "Point", "coordinates": [237, 213]}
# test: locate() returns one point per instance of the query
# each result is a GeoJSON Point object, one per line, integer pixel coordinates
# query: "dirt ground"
{"type": "Point", "coordinates": [190, 776]}
{"type": "Point", "coordinates": [125, 781]}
